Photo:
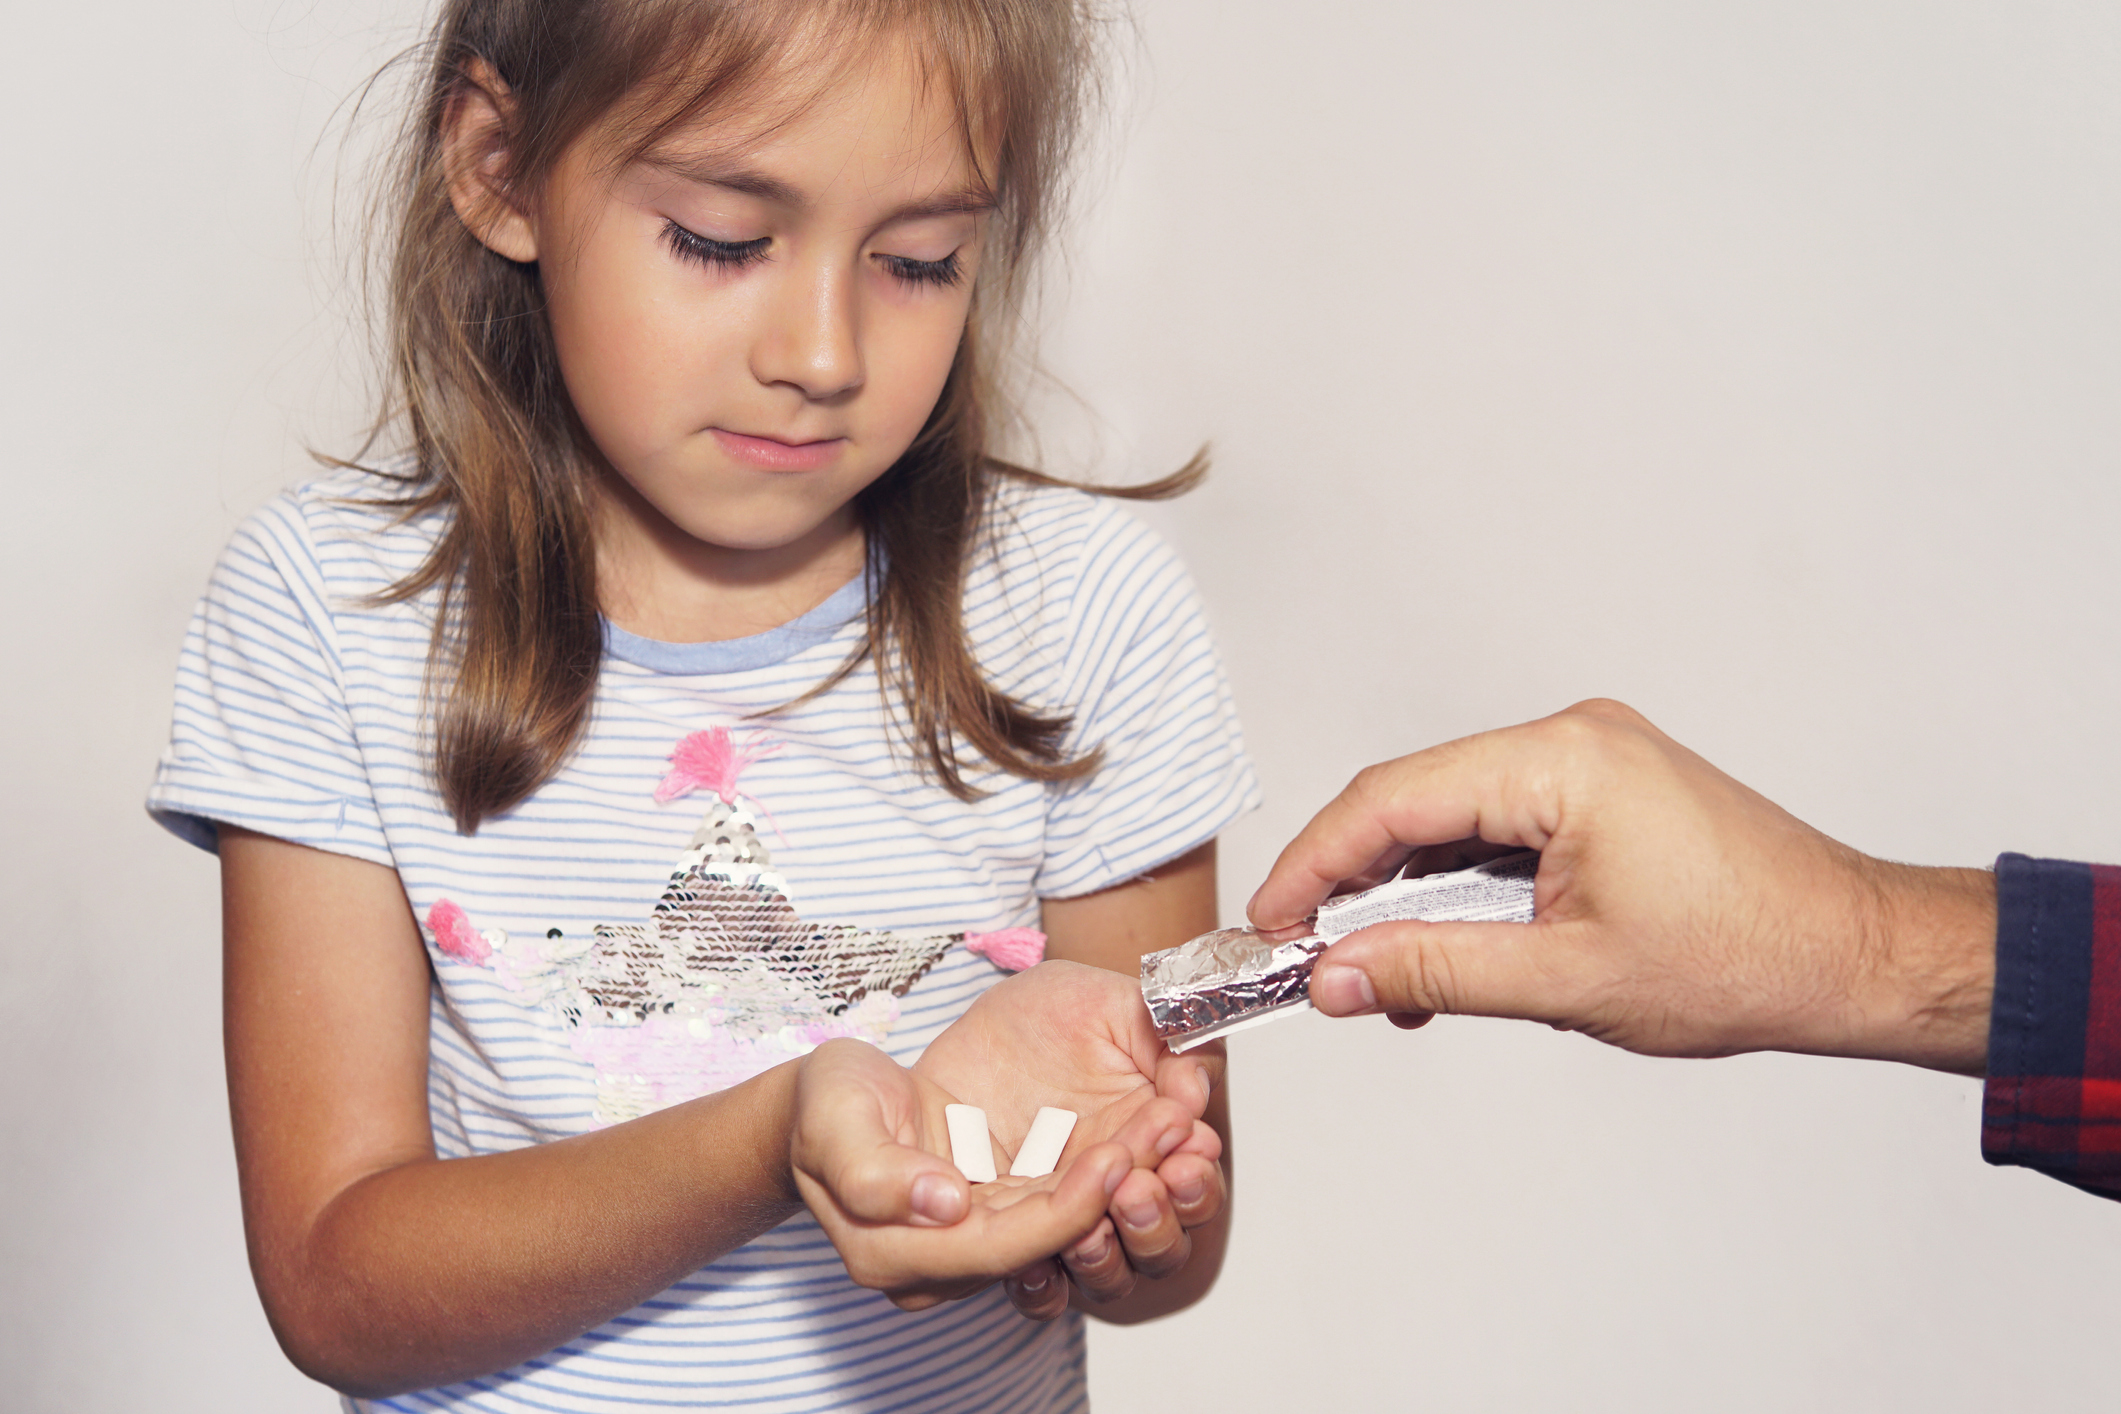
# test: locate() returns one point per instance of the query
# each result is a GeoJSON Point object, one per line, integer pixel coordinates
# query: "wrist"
{"type": "Point", "coordinates": [1933, 967]}
{"type": "Point", "coordinates": [780, 1094]}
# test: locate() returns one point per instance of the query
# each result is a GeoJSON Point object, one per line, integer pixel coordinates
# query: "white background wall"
{"type": "Point", "coordinates": [1755, 363]}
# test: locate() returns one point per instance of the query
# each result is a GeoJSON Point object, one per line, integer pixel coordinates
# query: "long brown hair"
{"type": "Point", "coordinates": [475, 382]}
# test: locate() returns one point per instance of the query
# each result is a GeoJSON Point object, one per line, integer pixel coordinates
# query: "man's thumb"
{"type": "Point", "coordinates": [1467, 969]}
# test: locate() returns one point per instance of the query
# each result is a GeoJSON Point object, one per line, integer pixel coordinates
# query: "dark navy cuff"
{"type": "Point", "coordinates": [2053, 1098]}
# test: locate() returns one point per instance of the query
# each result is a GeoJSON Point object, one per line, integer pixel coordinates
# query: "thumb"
{"type": "Point", "coordinates": [897, 1183]}
{"type": "Point", "coordinates": [1469, 969]}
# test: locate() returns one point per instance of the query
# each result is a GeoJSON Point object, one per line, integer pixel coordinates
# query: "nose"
{"type": "Point", "coordinates": [812, 336]}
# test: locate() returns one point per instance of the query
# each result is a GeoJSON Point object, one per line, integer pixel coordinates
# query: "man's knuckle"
{"type": "Point", "coordinates": [1368, 783]}
{"type": "Point", "coordinates": [1429, 981]}
{"type": "Point", "coordinates": [1578, 730]}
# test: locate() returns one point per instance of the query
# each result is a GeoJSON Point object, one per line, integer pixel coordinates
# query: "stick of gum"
{"type": "Point", "coordinates": [970, 1148]}
{"type": "Point", "coordinates": [1041, 1149]}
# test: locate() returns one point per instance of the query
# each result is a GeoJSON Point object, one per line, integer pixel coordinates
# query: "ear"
{"type": "Point", "coordinates": [475, 163]}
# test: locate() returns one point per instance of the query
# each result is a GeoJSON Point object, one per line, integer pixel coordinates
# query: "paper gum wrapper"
{"type": "Point", "coordinates": [1232, 978]}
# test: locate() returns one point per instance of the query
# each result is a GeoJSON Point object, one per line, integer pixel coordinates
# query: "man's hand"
{"type": "Point", "coordinates": [1679, 913]}
{"type": "Point", "coordinates": [1079, 1038]}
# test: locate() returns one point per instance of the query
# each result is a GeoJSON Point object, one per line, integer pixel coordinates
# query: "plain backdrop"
{"type": "Point", "coordinates": [1756, 363]}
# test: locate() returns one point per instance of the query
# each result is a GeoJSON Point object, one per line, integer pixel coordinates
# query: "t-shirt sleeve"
{"type": "Point", "coordinates": [261, 735]}
{"type": "Point", "coordinates": [1145, 685]}
{"type": "Point", "coordinates": [2053, 1096]}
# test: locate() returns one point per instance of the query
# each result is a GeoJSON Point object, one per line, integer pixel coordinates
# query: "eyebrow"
{"type": "Point", "coordinates": [710, 173]}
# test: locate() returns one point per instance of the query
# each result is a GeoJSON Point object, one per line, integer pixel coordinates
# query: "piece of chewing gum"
{"type": "Point", "coordinates": [970, 1148]}
{"type": "Point", "coordinates": [1040, 1152]}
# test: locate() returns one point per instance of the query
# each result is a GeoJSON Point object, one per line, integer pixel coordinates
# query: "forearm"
{"type": "Point", "coordinates": [431, 1270]}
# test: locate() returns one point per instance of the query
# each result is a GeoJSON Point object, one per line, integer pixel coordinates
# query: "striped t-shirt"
{"type": "Point", "coordinates": [579, 982]}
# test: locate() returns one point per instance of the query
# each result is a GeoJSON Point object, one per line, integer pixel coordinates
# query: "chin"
{"type": "Point", "coordinates": [757, 534]}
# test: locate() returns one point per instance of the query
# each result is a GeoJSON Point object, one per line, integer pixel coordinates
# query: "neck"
{"type": "Point", "coordinates": [655, 580]}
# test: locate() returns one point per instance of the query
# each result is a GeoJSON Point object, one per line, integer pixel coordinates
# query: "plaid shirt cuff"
{"type": "Point", "coordinates": [2053, 1101]}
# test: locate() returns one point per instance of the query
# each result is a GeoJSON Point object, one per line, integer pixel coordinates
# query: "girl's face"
{"type": "Point", "coordinates": [754, 325]}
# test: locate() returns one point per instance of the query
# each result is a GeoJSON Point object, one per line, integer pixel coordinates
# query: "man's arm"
{"type": "Point", "coordinates": [1682, 914]}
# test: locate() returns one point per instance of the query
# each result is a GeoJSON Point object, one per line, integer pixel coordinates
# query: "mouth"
{"type": "Point", "coordinates": [772, 454]}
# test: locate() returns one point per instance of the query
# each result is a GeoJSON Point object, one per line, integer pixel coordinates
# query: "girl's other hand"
{"type": "Point", "coordinates": [1146, 1229]}
{"type": "Point", "coordinates": [866, 1154]}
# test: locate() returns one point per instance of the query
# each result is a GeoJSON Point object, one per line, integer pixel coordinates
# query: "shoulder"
{"type": "Point", "coordinates": [1069, 551]}
{"type": "Point", "coordinates": [341, 534]}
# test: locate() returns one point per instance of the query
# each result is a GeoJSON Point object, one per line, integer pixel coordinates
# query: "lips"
{"type": "Point", "coordinates": [772, 454]}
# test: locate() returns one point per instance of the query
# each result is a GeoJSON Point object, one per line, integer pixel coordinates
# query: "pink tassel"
{"type": "Point", "coordinates": [454, 933]}
{"type": "Point", "coordinates": [709, 760]}
{"type": "Point", "coordinates": [1012, 949]}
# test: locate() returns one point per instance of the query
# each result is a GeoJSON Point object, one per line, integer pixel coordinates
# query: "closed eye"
{"type": "Point", "coordinates": [947, 271]}
{"type": "Point", "coordinates": [706, 250]}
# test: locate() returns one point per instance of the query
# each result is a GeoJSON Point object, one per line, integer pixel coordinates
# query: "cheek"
{"type": "Point", "coordinates": [910, 364]}
{"type": "Point", "coordinates": [633, 349]}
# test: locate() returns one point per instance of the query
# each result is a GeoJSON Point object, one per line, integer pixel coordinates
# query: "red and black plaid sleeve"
{"type": "Point", "coordinates": [2053, 1101]}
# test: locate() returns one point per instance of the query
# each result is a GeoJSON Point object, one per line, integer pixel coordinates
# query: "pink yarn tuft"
{"type": "Point", "coordinates": [454, 933]}
{"type": "Point", "coordinates": [709, 760]}
{"type": "Point", "coordinates": [1012, 949]}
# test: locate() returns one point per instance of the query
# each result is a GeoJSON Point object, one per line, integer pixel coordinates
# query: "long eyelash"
{"type": "Point", "coordinates": [947, 271]}
{"type": "Point", "coordinates": [691, 245]}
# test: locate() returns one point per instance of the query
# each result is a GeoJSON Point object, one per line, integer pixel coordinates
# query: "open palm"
{"type": "Point", "coordinates": [1076, 1038]}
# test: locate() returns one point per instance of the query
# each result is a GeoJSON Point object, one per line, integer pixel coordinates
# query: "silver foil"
{"type": "Point", "coordinates": [1233, 978]}
{"type": "Point", "coordinates": [1224, 979]}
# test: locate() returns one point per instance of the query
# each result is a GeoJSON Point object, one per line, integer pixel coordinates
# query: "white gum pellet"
{"type": "Point", "coordinates": [970, 1148]}
{"type": "Point", "coordinates": [1041, 1149]}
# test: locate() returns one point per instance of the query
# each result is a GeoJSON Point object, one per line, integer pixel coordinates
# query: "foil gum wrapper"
{"type": "Point", "coordinates": [1233, 978]}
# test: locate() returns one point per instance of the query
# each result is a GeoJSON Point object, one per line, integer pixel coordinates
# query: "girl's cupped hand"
{"type": "Point", "coordinates": [870, 1148]}
{"type": "Point", "coordinates": [1079, 1038]}
{"type": "Point", "coordinates": [869, 1154]}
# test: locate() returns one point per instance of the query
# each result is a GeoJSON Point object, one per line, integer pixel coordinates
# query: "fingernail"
{"type": "Point", "coordinates": [1140, 1216]}
{"type": "Point", "coordinates": [1094, 1251]}
{"type": "Point", "coordinates": [1207, 1086]}
{"type": "Point", "coordinates": [1033, 1285]}
{"type": "Point", "coordinates": [1342, 991]}
{"type": "Point", "coordinates": [1170, 1139]}
{"type": "Point", "coordinates": [936, 1198]}
{"type": "Point", "coordinates": [1189, 1190]}
{"type": "Point", "coordinates": [1113, 1176]}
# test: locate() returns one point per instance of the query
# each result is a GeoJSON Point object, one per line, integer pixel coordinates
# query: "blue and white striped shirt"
{"type": "Point", "coordinates": [299, 715]}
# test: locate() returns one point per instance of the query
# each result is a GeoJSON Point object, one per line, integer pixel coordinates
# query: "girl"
{"type": "Point", "coordinates": [696, 702]}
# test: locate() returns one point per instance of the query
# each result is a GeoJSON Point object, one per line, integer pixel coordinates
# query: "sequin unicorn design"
{"type": "Point", "coordinates": [725, 979]}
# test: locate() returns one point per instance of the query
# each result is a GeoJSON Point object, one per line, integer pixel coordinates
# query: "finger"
{"type": "Point", "coordinates": [1197, 1187]}
{"type": "Point", "coordinates": [1039, 1292]}
{"type": "Point", "coordinates": [1202, 1143]}
{"type": "Point", "coordinates": [927, 1297]}
{"type": "Point", "coordinates": [1156, 1130]}
{"type": "Point", "coordinates": [855, 1107]}
{"type": "Point", "coordinates": [1465, 969]}
{"type": "Point", "coordinates": [1155, 1242]}
{"type": "Point", "coordinates": [1097, 1265]}
{"type": "Point", "coordinates": [1011, 1225]}
{"type": "Point", "coordinates": [1461, 790]}
{"type": "Point", "coordinates": [896, 1183]}
{"type": "Point", "coordinates": [1357, 834]}
{"type": "Point", "coordinates": [1191, 1079]}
